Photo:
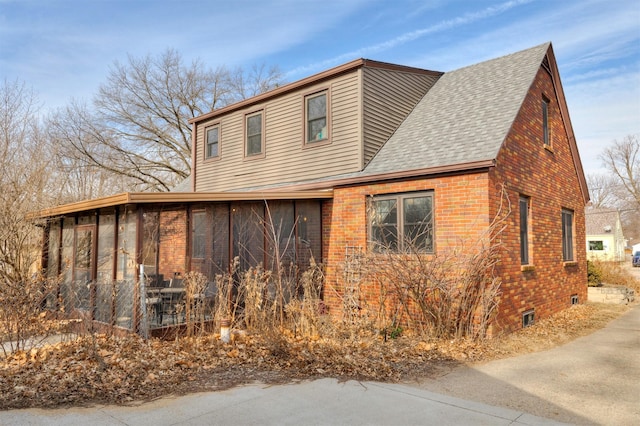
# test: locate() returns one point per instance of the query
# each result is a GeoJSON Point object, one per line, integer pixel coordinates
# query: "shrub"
{"type": "Point", "coordinates": [615, 273]}
{"type": "Point", "coordinates": [594, 274]}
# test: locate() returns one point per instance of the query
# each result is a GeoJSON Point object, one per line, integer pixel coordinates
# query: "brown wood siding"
{"type": "Point", "coordinates": [388, 97]}
{"type": "Point", "coordinates": [286, 159]}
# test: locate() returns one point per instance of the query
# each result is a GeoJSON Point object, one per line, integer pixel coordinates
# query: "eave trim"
{"type": "Point", "coordinates": [176, 198]}
{"type": "Point", "coordinates": [471, 167]}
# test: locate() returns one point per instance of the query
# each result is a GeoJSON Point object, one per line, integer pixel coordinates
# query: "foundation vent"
{"type": "Point", "coordinates": [527, 318]}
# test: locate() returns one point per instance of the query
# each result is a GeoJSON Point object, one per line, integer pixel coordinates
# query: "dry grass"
{"type": "Point", "coordinates": [577, 321]}
{"type": "Point", "coordinates": [101, 369]}
{"type": "Point", "coordinates": [615, 273]}
{"type": "Point", "coordinates": [107, 369]}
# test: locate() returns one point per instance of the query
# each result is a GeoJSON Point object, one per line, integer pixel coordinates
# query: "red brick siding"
{"type": "Point", "coordinates": [461, 215]}
{"type": "Point", "coordinates": [465, 205]}
{"type": "Point", "coordinates": [549, 178]}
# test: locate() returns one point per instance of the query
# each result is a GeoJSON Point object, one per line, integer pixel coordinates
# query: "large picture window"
{"type": "Point", "coordinates": [316, 117]}
{"type": "Point", "coordinates": [402, 223]}
{"type": "Point", "coordinates": [567, 235]}
{"type": "Point", "coordinates": [254, 138]}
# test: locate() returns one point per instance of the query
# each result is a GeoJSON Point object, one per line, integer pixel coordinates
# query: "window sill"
{"type": "Point", "coordinates": [399, 254]}
{"type": "Point", "coordinates": [570, 264]}
{"type": "Point", "coordinates": [527, 268]}
{"type": "Point", "coordinates": [252, 157]}
{"type": "Point", "coordinates": [548, 148]}
{"type": "Point", "coordinates": [313, 144]}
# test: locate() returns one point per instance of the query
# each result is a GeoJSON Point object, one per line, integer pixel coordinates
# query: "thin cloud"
{"type": "Point", "coordinates": [465, 19]}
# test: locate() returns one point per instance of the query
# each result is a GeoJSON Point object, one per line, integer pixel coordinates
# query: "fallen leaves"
{"type": "Point", "coordinates": [101, 369]}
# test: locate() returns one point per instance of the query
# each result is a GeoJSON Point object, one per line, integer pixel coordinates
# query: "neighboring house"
{"type": "Point", "coordinates": [354, 158]}
{"type": "Point", "coordinates": [605, 240]}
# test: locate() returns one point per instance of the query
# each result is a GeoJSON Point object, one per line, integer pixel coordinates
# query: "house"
{"type": "Point", "coordinates": [357, 159]}
{"type": "Point", "coordinates": [605, 240]}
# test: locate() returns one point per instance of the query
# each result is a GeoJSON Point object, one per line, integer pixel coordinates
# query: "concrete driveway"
{"type": "Point", "coordinates": [592, 380]}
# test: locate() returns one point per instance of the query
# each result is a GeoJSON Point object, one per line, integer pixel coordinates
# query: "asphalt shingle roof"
{"type": "Point", "coordinates": [597, 220]}
{"type": "Point", "coordinates": [464, 118]}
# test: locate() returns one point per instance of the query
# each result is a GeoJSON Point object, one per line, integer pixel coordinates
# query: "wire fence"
{"type": "Point", "coordinates": [192, 305]}
{"type": "Point", "coordinates": [133, 306]}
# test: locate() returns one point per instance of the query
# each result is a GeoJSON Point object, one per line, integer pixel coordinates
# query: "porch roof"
{"type": "Point", "coordinates": [177, 197]}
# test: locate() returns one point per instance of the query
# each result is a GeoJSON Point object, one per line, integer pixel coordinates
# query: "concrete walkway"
{"type": "Point", "coordinates": [592, 380]}
{"type": "Point", "coordinates": [311, 403]}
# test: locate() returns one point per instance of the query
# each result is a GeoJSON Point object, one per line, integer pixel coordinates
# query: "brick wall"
{"type": "Point", "coordinates": [549, 178]}
{"type": "Point", "coordinates": [465, 205]}
{"type": "Point", "coordinates": [461, 216]}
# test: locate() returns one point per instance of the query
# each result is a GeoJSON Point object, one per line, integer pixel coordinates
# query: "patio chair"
{"type": "Point", "coordinates": [172, 304]}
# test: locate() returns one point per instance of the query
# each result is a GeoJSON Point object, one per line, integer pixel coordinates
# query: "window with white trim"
{"type": "Point", "coordinates": [596, 245]}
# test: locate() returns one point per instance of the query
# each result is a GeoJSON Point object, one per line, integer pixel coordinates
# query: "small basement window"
{"type": "Point", "coordinates": [528, 318]}
{"type": "Point", "coordinates": [574, 299]}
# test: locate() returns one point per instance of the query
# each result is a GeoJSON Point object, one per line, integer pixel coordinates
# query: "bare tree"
{"type": "Point", "coordinates": [258, 79]}
{"type": "Point", "coordinates": [24, 180]}
{"type": "Point", "coordinates": [24, 164]}
{"type": "Point", "coordinates": [603, 190]}
{"type": "Point", "coordinates": [622, 159]}
{"type": "Point", "coordinates": [139, 127]}
{"type": "Point", "coordinates": [91, 160]}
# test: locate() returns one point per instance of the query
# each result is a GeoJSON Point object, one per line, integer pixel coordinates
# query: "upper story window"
{"type": "Point", "coordinates": [212, 143]}
{"type": "Point", "coordinates": [402, 223]}
{"type": "Point", "coordinates": [567, 235]}
{"type": "Point", "coordinates": [254, 134]}
{"type": "Point", "coordinates": [546, 134]}
{"type": "Point", "coordinates": [524, 230]}
{"type": "Point", "coordinates": [316, 113]}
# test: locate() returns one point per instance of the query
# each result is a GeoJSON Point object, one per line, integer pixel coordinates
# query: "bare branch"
{"type": "Point", "coordinates": [139, 127]}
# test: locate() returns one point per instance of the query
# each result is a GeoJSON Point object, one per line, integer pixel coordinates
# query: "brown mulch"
{"type": "Point", "coordinates": [108, 370]}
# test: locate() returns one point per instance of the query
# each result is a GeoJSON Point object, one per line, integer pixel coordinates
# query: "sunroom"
{"type": "Point", "coordinates": [126, 262]}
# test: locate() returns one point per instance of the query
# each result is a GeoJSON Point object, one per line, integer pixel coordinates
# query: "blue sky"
{"type": "Point", "coordinates": [64, 48]}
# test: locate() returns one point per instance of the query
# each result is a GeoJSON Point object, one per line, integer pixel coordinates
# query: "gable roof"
{"type": "Point", "coordinates": [462, 122]}
{"type": "Point", "coordinates": [308, 81]}
{"type": "Point", "coordinates": [464, 118]}
{"type": "Point", "coordinates": [598, 220]}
